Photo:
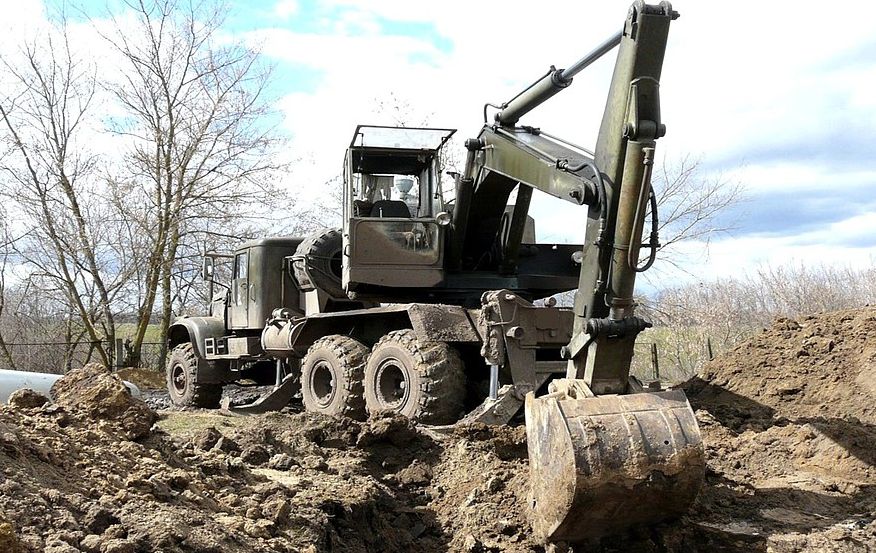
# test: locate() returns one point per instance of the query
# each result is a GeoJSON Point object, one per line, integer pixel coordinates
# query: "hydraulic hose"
{"type": "Point", "coordinates": [654, 239]}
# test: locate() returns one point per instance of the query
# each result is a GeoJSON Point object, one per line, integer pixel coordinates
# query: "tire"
{"type": "Point", "coordinates": [322, 264]}
{"type": "Point", "coordinates": [424, 381]}
{"type": "Point", "coordinates": [182, 380]}
{"type": "Point", "coordinates": [331, 377]}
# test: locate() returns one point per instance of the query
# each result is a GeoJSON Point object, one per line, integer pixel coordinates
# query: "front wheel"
{"type": "Point", "coordinates": [182, 380]}
{"type": "Point", "coordinates": [422, 380]}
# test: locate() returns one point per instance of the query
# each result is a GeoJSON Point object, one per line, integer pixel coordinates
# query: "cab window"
{"type": "Point", "coordinates": [240, 265]}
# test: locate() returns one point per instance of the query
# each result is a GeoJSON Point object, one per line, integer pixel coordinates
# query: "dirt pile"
{"type": "Point", "coordinates": [80, 474]}
{"type": "Point", "coordinates": [787, 420]}
{"type": "Point", "coordinates": [384, 485]}
{"type": "Point", "coordinates": [820, 366]}
{"type": "Point", "coordinates": [74, 479]}
{"type": "Point", "coordinates": [93, 393]}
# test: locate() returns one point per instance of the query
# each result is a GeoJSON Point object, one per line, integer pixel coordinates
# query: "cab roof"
{"type": "Point", "coordinates": [272, 241]}
{"type": "Point", "coordinates": [401, 138]}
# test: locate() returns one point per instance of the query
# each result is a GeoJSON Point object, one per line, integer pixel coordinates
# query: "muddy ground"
{"type": "Point", "coordinates": [788, 421]}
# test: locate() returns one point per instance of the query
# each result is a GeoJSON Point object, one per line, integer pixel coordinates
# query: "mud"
{"type": "Point", "coordinates": [787, 420]}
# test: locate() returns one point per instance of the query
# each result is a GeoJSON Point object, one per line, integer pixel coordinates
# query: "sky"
{"type": "Point", "coordinates": [771, 95]}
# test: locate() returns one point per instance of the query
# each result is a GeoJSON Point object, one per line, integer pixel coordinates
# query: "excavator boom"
{"type": "Point", "coordinates": [604, 453]}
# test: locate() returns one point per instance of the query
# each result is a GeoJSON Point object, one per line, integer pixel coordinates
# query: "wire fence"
{"type": "Point", "coordinates": [60, 357]}
{"type": "Point", "coordinates": [671, 362]}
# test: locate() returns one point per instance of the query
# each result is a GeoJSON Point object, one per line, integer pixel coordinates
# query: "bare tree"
{"type": "Point", "coordinates": [47, 176]}
{"type": "Point", "coordinates": [201, 157]}
{"type": "Point", "coordinates": [690, 205]}
{"type": "Point", "coordinates": [6, 242]}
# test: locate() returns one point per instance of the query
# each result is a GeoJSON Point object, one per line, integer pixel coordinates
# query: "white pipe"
{"type": "Point", "coordinates": [11, 381]}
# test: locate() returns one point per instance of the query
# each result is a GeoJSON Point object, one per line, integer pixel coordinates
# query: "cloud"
{"type": "Point", "coordinates": [286, 8]}
{"type": "Point", "coordinates": [788, 199]}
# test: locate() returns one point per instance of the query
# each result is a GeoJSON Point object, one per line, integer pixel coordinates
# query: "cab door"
{"type": "Point", "coordinates": [239, 305]}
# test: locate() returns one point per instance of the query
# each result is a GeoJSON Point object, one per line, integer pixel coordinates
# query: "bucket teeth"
{"type": "Point", "coordinates": [600, 465]}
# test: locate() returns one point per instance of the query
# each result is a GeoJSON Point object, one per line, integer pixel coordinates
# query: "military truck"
{"type": "Point", "coordinates": [436, 303]}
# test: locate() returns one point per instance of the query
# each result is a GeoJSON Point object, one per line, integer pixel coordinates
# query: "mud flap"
{"type": "Point", "coordinates": [274, 400]}
{"type": "Point", "coordinates": [600, 465]}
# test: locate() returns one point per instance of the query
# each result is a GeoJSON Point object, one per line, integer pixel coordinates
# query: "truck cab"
{"type": "Point", "coordinates": [225, 345]}
{"type": "Point", "coordinates": [261, 282]}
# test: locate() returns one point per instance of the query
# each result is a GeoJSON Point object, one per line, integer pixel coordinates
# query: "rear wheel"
{"type": "Point", "coordinates": [182, 380]}
{"type": "Point", "coordinates": [331, 377]}
{"type": "Point", "coordinates": [422, 380]}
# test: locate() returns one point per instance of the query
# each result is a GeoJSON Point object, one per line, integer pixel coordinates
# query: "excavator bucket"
{"type": "Point", "coordinates": [601, 464]}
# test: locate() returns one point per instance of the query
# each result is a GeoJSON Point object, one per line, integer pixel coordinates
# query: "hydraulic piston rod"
{"type": "Point", "coordinates": [597, 53]}
{"type": "Point", "coordinates": [554, 81]}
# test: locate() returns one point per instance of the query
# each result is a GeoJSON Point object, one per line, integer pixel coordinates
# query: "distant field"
{"type": "Point", "coordinates": [126, 330]}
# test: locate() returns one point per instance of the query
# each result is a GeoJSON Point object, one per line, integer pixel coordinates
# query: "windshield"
{"type": "Point", "coordinates": [403, 138]}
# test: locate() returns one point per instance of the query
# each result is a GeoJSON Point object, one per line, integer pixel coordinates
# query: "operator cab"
{"type": "Point", "coordinates": [394, 213]}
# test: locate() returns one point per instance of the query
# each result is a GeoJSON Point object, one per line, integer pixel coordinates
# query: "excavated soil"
{"type": "Point", "coordinates": [788, 422]}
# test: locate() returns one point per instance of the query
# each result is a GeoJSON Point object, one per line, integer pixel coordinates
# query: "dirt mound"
{"type": "Point", "coordinates": [788, 422]}
{"type": "Point", "coordinates": [95, 393]}
{"type": "Point", "coordinates": [480, 488]}
{"type": "Point", "coordinates": [27, 399]}
{"type": "Point", "coordinates": [821, 366]}
{"type": "Point", "coordinates": [386, 485]}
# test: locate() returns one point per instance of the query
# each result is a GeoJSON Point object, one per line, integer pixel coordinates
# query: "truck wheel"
{"type": "Point", "coordinates": [182, 380]}
{"type": "Point", "coordinates": [331, 377]}
{"type": "Point", "coordinates": [422, 380]}
{"type": "Point", "coordinates": [322, 261]}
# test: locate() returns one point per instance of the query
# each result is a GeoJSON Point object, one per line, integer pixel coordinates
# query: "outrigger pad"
{"type": "Point", "coordinates": [274, 400]}
{"type": "Point", "coordinates": [600, 465]}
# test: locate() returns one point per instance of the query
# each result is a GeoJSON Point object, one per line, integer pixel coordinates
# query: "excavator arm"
{"type": "Point", "coordinates": [604, 453]}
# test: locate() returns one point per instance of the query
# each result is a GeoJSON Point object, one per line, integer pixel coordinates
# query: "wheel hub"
{"type": "Point", "coordinates": [322, 384]}
{"type": "Point", "coordinates": [178, 378]}
{"type": "Point", "coordinates": [392, 384]}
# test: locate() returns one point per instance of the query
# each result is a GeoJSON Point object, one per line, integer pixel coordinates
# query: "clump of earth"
{"type": "Point", "coordinates": [788, 423]}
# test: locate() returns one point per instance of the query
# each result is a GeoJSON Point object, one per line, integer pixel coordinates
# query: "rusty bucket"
{"type": "Point", "coordinates": [599, 465]}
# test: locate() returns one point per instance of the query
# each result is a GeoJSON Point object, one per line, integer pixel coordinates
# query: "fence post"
{"type": "Point", "coordinates": [709, 347]}
{"type": "Point", "coordinates": [120, 353]}
{"type": "Point", "coordinates": [655, 365]}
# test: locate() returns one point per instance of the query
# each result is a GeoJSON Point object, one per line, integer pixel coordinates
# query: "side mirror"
{"type": "Point", "coordinates": [207, 268]}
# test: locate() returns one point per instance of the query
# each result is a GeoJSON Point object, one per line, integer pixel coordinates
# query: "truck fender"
{"type": "Point", "coordinates": [195, 330]}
